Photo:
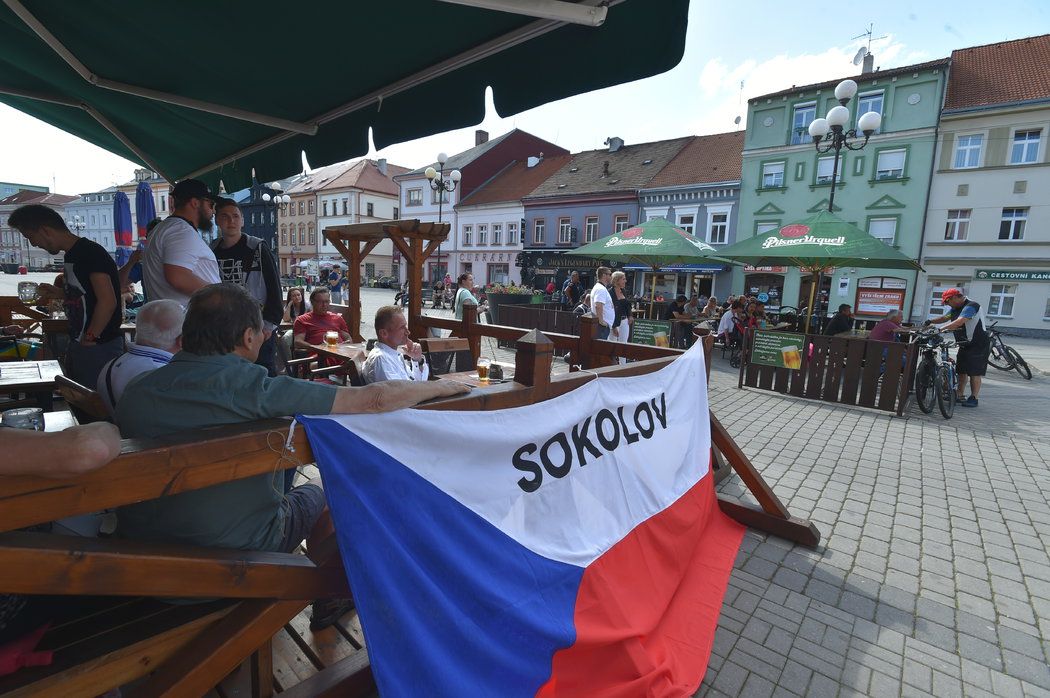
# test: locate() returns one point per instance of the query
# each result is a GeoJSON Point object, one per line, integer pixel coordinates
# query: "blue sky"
{"type": "Point", "coordinates": [767, 46]}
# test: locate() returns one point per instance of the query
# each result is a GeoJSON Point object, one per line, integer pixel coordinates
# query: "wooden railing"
{"type": "Point", "coordinates": [846, 370]}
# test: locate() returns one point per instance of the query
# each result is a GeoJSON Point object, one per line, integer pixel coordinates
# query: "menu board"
{"type": "Point", "coordinates": [780, 349]}
{"type": "Point", "coordinates": [656, 333]}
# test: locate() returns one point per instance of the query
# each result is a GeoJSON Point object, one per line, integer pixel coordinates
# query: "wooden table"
{"type": "Point", "coordinates": [31, 377]}
{"type": "Point", "coordinates": [344, 351]}
{"type": "Point", "coordinates": [471, 378]}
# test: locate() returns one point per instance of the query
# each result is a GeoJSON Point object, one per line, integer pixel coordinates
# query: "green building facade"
{"type": "Point", "coordinates": [882, 188]}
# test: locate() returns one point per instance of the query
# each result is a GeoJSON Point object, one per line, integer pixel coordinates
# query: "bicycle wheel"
{"type": "Point", "coordinates": [1019, 364]}
{"type": "Point", "coordinates": [945, 392]}
{"type": "Point", "coordinates": [924, 388]}
{"type": "Point", "coordinates": [1000, 358]}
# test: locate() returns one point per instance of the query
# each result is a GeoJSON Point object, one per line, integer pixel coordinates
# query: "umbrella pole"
{"type": "Point", "coordinates": [812, 291]}
{"type": "Point", "coordinates": [652, 297]}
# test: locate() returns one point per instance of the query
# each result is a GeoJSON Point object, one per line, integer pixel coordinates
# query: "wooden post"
{"type": "Point", "coordinates": [262, 671]}
{"type": "Point", "coordinates": [415, 286]}
{"type": "Point", "coordinates": [588, 333]}
{"type": "Point", "coordinates": [355, 293]}
{"type": "Point", "coordinates": [532, 363]}
{"type": "Point", "coordinates": [471, 332]}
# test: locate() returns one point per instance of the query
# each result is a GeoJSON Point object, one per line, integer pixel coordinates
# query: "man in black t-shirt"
{"type": "Point", "coordinates": [570, 291]}
{"type": "Point", "coordinates": [840, 322]}
{"type": "Point", "coordinates": [248, 262]}
{"type": "Point", "coordinates": [92, 291]}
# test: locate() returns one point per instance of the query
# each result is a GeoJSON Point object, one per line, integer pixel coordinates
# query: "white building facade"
{"type": "Point", "coordinates": [489, 240]}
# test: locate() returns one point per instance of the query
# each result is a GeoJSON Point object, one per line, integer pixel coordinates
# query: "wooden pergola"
{"type": "Point", "coordinates": [415, 240]}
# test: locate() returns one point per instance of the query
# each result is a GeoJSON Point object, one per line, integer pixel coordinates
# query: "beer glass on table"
{"type": "Point", "coordinates": [483, 369]}
{"type": "Point", "coordinates": [331, 338]}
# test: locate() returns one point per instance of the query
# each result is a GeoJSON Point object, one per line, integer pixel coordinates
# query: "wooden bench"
{"type": "Point", "coordinates": [173, 650]}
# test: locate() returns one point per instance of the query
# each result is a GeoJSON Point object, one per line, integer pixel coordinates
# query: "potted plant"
{"type": "Point", "coordinates": [507, 294]}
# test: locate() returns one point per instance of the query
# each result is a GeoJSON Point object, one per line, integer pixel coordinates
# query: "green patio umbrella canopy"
{"type": "Point", "coordinates": [816, 243]}
{"type": "Point", "coordinates": [656, 243]}
{"type": "Point", "coordinates": [320, 80]}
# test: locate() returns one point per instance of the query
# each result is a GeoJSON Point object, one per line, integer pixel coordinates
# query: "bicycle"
{"type": "Point", "coordinates": [1004, 357]}
{"type": "Point", "coordinates": [936, 378]}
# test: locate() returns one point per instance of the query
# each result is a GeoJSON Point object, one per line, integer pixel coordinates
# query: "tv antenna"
{"type": "Point", "coordinates": [864, 51]}
{"type": "Point", "coordinates": [739, 100]}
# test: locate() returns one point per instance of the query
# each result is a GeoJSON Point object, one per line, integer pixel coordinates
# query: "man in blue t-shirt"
{"type": "Point", "coordinates": [335, 284]}
{"type": "Point", "coordinates": [966, 320]}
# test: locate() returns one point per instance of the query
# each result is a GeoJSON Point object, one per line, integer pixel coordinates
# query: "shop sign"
{"type": "Point", "coordinates": [655, 333]}
{"type": "Point", "coordinates": [767, 270]}
{"type": "Point", "coordinates": [780, 349]}
{"type": "Point", "coordinates": [878, 301]}
{"type": "Point", "coordinates": [1007, 275]}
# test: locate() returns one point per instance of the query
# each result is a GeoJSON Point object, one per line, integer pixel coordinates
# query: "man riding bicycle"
{"type": "Point", "coordinates": [966, 319]}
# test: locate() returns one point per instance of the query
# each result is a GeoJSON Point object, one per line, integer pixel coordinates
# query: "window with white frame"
{"type": "Point", "coordinates": [717, 227]}
{"type": "Point", "coordinates": [468, 233]}
{"type": "Point", "coordinates": [499, 273]}
{"type": "Point", "coordinates": [825, 166]}
{"type": "Point", "coordinates": [397, 213]}
{"type": "Point", "coordinates": [936, 307]}
{"type": "Point", "coordinates": [310, 207]}
{"type": "Point", "coordinates": [512, 234]}
{"type": "Point", "coordinates": [884, 229]}
{"type": "Point", "coordinates": [313, 233]}
{"type": "Point", "coordinates": [772, 175]}
{"type": "Point", "coordinates": [890, 164]}
{"type": "Point", "coordinates": [590, 229]}
{"type": "Point", "coordinates": [1013, 222]}
{"type": "Point", "coordinates": [621, 223]}
{"type": "Point", "coordinates": [370, 210]}
{"type": "Point", "coordinates": [803, 115]}
{"type": "Point", "coordinates": [869, 101]}
{"type": "Point", "coordinates": [483, 234]}
{"type": "Point", "coordinates": [687, 223]}
{"type": "Point", "coordinates": [1001, 302]}
{"type": "Point", "coordinates": [1046, 313]}
{"type": "Point", "coordinates": [539, 231]}
{"type": "Point", "coordinates": [958, 225]}
{"type": "Point", "coordinates": [346, 206]}
{"type": "Point", "coordinates": [415, 197]}
{"type": "Point", "coordinates": [324, 208]}
{"type": "Point", "coordinates": [564, 231]}
{"type": "Point", "coordinates": [763, 228]}
{"type": "Point", "coordinates": [1025, 147]}
{"type": "Point", "coordinates": [436, 197]}
{"type": "Point", "coordinates": [968, 151]}
{"type": "Point", "coordinates": [497, 233]}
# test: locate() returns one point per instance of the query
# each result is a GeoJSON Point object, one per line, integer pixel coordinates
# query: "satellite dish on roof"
{"type": "Point", "coordinates": [861, 53]}
{"type": "Point", "coordinates": [736, 121]}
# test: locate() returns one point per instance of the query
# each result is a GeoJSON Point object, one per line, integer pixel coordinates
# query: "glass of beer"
{"type": "Point", "coordinates": [660, 339]}
{"type": "Point", "coordinates": [792, 357]}
{"type": "Point", "coordinates": [483, 369]}
{"type": "Point", "coordinates": [331, 338]}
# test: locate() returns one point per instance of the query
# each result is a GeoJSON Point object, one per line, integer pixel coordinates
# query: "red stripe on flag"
{"type": "Point", "coordinates": [647, 609]}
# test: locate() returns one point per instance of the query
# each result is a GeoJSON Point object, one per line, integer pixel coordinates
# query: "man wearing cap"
{"type": "Point", "coordinates": [966, 320]}
{"type": "Point", "coordinates": [177, 261]}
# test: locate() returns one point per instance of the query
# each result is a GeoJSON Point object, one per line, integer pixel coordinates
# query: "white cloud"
{"type": "Point", "coordinates": [719, 84]}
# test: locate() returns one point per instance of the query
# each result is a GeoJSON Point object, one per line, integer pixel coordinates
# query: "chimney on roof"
{"type": "Point", "coordinates": [532, 161]}
{"type": "Point", "coordinates": [481, 137]}
{"type": "Point", "coordinates": [614, 143]}
{"type": "Point", "coordinates": [605, 169]}
{"type": "Point", "coordinates": [381, 166]}
{"type": "Point", "coordinates": [869, 64]}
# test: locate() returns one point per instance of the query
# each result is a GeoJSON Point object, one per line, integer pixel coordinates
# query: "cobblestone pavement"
{"type": "Point", "coordinates": [932, 577]}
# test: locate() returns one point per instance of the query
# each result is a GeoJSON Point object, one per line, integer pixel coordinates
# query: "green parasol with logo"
{"type": "Point", "coordinates": [655, 244]}
{"type": "Point", "coordinates": [817, 243]}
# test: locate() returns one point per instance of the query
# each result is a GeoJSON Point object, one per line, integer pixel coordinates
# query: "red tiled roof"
{"type": "Point", "coordinates": [861, 79]}
{"type": "Point", "coordinates": [365, 175]}
{"type": "Point", "coordinates": [515, 181]}
{"type": "Point", "coordinates": [1009, 71]}
{"type": "Point", "coordinates": [707, 159]}
{"type": "Point", "coordinates": [24, 196]}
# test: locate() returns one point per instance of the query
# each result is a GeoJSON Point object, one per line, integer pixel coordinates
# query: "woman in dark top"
{"type": "Point", "coordinates": [621, 327]}
{"type": "Point", "coordinates": [294, 304]}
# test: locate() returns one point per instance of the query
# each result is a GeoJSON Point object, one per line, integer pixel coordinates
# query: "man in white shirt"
{"type": "Point", "coordinates": [385, 362]}
{"type": "Point", "coordinates": [725, 325]}
{"type": "Point", "coordinates": [158, 336]}
{"type": "Point", "coordinates": [602, 303]}
{"type": "Point", "coordinates": [177, 261]}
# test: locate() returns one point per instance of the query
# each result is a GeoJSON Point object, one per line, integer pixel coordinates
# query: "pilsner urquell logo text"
{"type": "Point", "coordinates": [807, 240]}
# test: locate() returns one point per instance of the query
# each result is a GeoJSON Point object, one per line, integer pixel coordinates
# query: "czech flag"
{"type": "Point", "coordinates": [573, 547]}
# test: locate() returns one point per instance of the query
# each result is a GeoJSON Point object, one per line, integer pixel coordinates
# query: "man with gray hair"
{"type": "Point", "coordinates": [886, 329]}
{"type": "Point", "coordinates": [158, 336]}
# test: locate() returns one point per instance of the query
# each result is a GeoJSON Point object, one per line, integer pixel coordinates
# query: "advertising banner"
{"type": "Point", "coordinates": [780, 349]}
{"type": "Point", "coordinates": [656, 333]}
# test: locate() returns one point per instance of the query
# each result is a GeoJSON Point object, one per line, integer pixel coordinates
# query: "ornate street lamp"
{"type": "Point", "coordinates": [279, 200]}
{"type": "Point", "coordinates": [441, 185]}
{"type": "Point", "coordinates": [829, 133]}
{"type": "Point", "coordinates": [75, 224]}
